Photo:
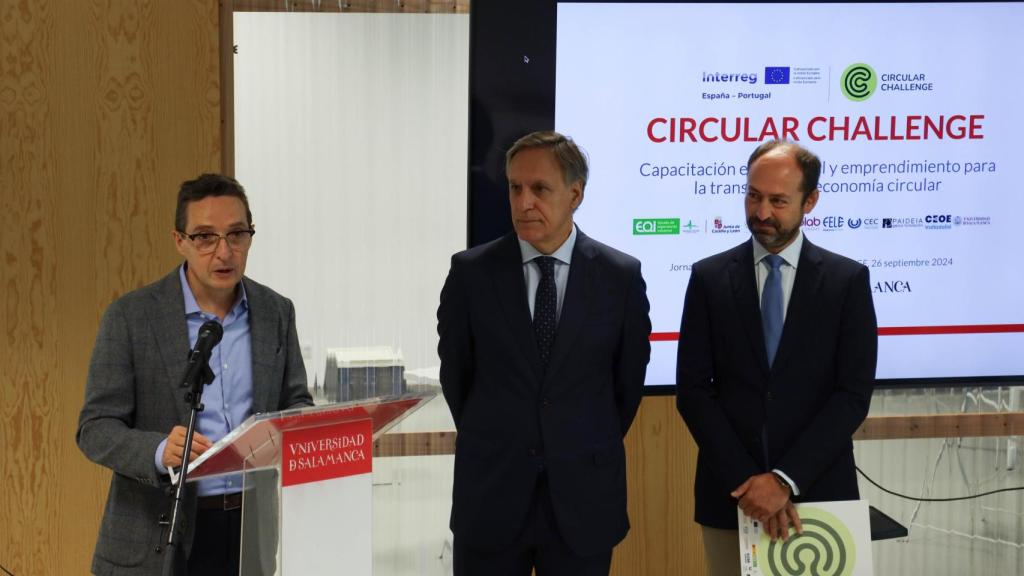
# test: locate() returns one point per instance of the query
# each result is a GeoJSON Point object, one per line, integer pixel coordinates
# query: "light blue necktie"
{"type": "Point", "coordinates": [771, 306]}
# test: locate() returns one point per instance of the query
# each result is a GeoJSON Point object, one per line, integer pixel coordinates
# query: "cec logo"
{"type": "Point", "coordinates": [858, 82]}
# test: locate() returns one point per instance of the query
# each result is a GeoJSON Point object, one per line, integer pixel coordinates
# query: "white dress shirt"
{"type": "Point", "coordinates": [531, 271]}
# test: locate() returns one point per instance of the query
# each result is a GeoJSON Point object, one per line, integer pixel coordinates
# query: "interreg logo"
{"type": "Point", "coordinates": [651, 226]}
{"type": "Point", "coordinates": [729, 77]}
{"type": "Point", "coordinates": [858, 82]}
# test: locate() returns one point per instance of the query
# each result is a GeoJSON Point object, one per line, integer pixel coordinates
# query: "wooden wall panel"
{"type": "Point", "coordinates": [354, 6]}
{"type": "Point", "coordinates": [662, 459]}
{"type": "Point", "coordinates": [25, 230]}
{"type": "Point", "coordinates": [105, 107]}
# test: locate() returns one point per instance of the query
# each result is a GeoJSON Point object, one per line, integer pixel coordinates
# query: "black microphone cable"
{"type": "Point", "coordinates": [917, 499]}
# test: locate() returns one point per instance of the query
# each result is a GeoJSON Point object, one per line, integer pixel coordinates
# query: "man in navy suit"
{"type": "Point", "coordinates": [776, 363]}
{"type": "Point", "coordinates": [544, 343]}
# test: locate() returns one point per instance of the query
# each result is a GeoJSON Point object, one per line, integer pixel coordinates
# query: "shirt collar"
{"type": "Point", "coordinates": [790, 254]}
{"type": "Point", "coordinates": [563, 254]}
{"type": "Point", "coordinates": [192, 307]}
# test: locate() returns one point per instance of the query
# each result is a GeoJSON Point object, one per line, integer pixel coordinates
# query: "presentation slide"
{"type": "Point", "coordinates": [914, 109]}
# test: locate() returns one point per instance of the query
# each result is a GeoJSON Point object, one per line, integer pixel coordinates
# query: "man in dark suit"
{"type": "Point", "coordinates": [776, 362]}
{"type": "Point", "coordinates": [544, 343]}
{"type": "Point", "coordinates": [134, 413]}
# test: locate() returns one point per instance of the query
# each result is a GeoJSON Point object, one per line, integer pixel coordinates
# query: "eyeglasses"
{"type": "Point", "coordinates": [206, 242]}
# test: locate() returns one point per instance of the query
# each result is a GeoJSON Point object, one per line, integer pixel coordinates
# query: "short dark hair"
{"type": "Point", "coordinates": [567, 154]}
{"type": "Point", "coordinates": [205, 186]}
{"type": "Point", "coordinates": [809, 163]}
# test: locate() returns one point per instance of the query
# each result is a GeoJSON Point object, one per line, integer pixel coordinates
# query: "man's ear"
{"type": "Point", "coordinates": [577, 194]}
{"type": "Point", "coordinates": [811, 201]}
{"type": "Point", "coordinates": [179, 242]}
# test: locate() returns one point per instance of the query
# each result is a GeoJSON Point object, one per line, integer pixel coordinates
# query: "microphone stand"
{"type": "Point", "coordinates": [174, 561]}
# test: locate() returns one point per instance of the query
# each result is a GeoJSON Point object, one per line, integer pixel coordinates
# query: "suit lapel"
{"type": "Point", "coordinates": [799, 313]}
{"type": "Point", "coordinates": [170, 330]}
{"type": "Point", "coordinates": [509, 285]}
{"type": "Point", "coordinates": [578, 293]}
{"type": "Point", "coordinates": [264, 326]}
{"type": "Point", "coordinates": [744, 292]}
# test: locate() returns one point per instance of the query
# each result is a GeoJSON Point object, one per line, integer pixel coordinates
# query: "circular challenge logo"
{"type": "Point", "coordinates": [858, 82]}
{"type": "Point", "coordinates": [826, 548]}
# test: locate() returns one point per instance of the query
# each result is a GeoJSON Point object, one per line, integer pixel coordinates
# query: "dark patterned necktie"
{"type": "Point", "coordinates": [771, 306]}
{"type": "Point", "coordinates": [544, 306]}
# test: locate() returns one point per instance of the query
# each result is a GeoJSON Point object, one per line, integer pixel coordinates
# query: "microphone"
{"type": "Point", "coordinates": [210, 334]}
{"type": "Point", "coordinates": [197, 375]}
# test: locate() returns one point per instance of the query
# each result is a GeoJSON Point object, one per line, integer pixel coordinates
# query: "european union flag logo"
{"type": "Point", "coordinates": [776, 75]}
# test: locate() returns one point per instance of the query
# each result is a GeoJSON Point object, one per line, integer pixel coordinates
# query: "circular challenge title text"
{"type": "Point", "coordinates": [817, 129]}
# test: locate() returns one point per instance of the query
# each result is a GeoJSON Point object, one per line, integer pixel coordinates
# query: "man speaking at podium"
{"type": "Point", "coordinates": [544, 347]}
{"type": "Point", "coordinates": [776, 363]}
{"type": "Point", "coordinates": [135, 410]}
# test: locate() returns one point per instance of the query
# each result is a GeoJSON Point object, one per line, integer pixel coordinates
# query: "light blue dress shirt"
{"type": "Point", "coordinates": [791, 255]}
{"type": "Point", "coordinates": [228, 399]}
{"type": "Point", "coordinates": [531, 271]}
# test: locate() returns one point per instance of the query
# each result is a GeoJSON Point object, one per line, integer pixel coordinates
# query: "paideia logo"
{"type": "Point", "coordinates": [858, 82]}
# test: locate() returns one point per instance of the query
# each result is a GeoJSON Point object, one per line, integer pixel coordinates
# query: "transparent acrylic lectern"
{"type": "Point", "coordinates": [307, 484]}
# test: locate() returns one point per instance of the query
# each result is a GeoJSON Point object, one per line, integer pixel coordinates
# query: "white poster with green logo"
{"type": "Point", "coordinates": [836, 541]}
{"type": "Point", "coordinates": [913, 108]}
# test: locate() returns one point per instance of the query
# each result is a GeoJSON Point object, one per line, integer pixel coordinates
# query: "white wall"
{"type": "Point", "coordinates": [351, 140]}
{"type": "Point", "coordinates": [983, 536]}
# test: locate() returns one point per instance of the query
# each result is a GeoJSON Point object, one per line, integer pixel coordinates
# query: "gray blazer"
{"type": "Point", "coordinates": [133, 400]}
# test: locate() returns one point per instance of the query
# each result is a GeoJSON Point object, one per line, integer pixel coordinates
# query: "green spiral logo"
{"type": "Point", "coordinates": [826, 548]}
{"type": "Point", "coordinates": [858, 82]}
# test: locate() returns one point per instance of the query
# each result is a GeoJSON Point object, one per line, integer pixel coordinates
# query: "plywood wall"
{"type": "Point", "coordinates": [105, 107]}
{"type": "Point", "coordinates": [661, 458]}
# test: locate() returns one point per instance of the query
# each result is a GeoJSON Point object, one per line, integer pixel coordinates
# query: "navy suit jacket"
{"type": "Point", "coordinates": [797, 416]}
{"type": "Point", "coordinates": [515, 419]}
